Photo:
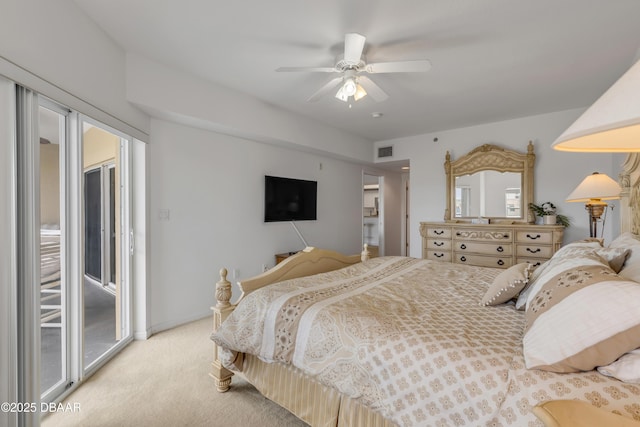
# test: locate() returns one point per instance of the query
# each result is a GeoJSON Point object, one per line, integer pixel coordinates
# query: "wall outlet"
{"type": "Point", "coordinates": [164, 214]}
{"type": "Point", "coordinates": [265, 267]}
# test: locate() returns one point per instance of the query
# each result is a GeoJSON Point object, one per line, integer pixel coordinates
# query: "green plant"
{"type": "Point", "coordinates": [548, 208]}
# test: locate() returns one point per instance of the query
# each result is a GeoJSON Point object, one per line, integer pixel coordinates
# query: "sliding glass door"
{"type": "Point", "coordinates": [105, 287]}
{"type": "Point", "coordinates": [83, 201]}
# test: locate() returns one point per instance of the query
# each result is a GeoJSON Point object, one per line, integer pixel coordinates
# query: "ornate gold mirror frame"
{"type": "Point", "coordinates": [491, 157]}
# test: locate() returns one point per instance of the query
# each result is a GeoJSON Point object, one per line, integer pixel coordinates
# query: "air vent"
{"type": "Point", "coordinates": [385, 151]}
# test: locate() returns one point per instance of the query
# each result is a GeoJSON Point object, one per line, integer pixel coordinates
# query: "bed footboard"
{"type": "Point", "coordinates": [305, 263]}
{"type": "Point", "coordinates": [221, 311]}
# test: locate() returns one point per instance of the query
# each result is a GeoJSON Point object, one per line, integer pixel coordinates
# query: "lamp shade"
{"type": "Point", "coordinates": [612, 123]}
{"type": "Point", "coordinates": [596, 186]}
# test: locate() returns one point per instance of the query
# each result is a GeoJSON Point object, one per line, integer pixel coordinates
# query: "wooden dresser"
{"type": "Point", "coordinates": [490, 245]}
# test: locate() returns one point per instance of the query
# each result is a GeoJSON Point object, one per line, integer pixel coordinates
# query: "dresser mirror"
{"type": "Point", "coordinates": [490, 183]}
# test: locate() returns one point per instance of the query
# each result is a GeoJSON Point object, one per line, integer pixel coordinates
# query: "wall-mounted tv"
{"type": "Point", "coordinates": [287, 199]}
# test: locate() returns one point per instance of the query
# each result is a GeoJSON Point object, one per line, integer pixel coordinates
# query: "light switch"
{"type": "Point", "coordinates": [164, 214]}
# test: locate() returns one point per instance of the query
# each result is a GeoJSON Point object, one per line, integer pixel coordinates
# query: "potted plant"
{"type": "Point", "coordinates": [549, 214]}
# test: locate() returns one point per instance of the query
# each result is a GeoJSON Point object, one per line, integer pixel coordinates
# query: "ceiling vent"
{"type": "Point", "coordinates": [385, 151]}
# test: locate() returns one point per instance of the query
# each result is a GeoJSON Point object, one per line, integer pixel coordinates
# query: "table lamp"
{"type": "Point", "coordinates": [593, 190]}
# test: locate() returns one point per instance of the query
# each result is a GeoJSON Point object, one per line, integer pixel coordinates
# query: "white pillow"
{"type": "Point", "coordinates": [581, 315]}
{"type": "Point", "coordinates": [626, 369]}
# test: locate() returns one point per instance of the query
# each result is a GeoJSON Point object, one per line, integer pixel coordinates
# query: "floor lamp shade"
{"type": "Point", "coordinates": [612, 123]}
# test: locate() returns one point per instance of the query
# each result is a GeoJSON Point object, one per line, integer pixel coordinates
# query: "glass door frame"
{"type": "Point", "coordinates": [68, 374]}
{"type": "Point", "coordinates": [72, 249]}
{"type": "Point", "coordinates": [125, 315]}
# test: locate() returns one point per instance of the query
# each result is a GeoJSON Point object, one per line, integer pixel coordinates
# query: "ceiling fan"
{"type": "Point", "coordinates": [352, 65]}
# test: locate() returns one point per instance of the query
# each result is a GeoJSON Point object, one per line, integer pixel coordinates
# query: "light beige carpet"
{"type": "Point", "coordinates": [165, 381]}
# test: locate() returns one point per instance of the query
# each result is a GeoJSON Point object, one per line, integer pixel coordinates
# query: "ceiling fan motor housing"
{"type": "Point", "coordinates": [343, 65]}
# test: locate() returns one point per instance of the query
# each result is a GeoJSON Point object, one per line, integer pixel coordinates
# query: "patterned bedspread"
{"type": "Point", "coordinates": [408, 338]}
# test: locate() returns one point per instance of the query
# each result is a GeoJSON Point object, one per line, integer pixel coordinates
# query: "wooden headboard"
{"type": "Point", "coordinates": [630, 195]}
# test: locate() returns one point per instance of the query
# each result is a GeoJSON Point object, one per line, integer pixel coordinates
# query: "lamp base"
{"type": "Point", "coordinates": [595, 209]}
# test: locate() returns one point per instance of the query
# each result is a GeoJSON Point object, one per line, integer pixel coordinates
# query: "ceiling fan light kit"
{"type": "Point", "coordinates": [351, 65]}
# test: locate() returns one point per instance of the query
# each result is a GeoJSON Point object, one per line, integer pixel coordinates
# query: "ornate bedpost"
{"type": "Point", "coordinates": [630, 194]}
{"type": "Point", "coordinates": [221, 311]}
{"type": "Point", "coordinates": [365, 254]}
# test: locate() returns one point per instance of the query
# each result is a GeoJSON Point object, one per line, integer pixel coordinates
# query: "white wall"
{"type": "Point", "coordinates": [171, 94]}
{"type": "Point", "coordinates": [213, 187]}
{"type": "Point", "coordinates": [57, 42]}
{"type": "Point", "coordinates": [556, 173]}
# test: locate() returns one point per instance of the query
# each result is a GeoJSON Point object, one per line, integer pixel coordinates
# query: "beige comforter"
{"type": "Point", "coordinates": [408, 338]}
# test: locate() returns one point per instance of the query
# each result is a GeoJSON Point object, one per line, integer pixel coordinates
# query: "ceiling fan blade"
{"type": "Point", "coordinates": [353, 46]}
{"type": "Point", "coordinates": [308, 69]}
{"type": "Point", "coordinates": [372, 89]}
{"type": "Point", "coordinates": [325, 89]}
{"type": "Point", "coordinates": [419, 66]}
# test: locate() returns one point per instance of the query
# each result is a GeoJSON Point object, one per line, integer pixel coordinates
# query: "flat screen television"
{"type": "Point", "coordinates": [288, 199]}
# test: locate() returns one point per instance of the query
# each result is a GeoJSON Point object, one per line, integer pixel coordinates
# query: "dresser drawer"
{"type": "Point", "coordinates": [439, 256]}
{"type": "Point", "coordinates": [536, 262]}
{"type": "Point", "coordinates": [441, 233]}
{"type": "Point", "coordinates": [483, 261]}
{"type": "Point", "coordinates": [540, 237]}
{"type": "Point", "coordinates": [484, 248]}
{"type": "Point", "coordinates": [439, 245]}
{"type": "Point", "coordinates": [480, 234]}
{"type": "Point", "coordinates": [525, 251]}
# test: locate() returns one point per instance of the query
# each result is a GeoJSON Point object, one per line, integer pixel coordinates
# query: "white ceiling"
{"type": "Point", "coordinates": [491, 59]}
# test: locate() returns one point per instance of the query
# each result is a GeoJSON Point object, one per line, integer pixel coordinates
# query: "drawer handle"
{"type": "Point", "coordinates": [537, 236]}
{"type": "Point", "coordinates": [458, 233]}
{"type": "Point", "coordinates": [536, 264]}
{"type": "Point", "coordinates": [506, 236]}
{"type": "Point", "coordinates": [463, 246]}
{"type": "Point", "coordinates": [438, 243]}
{"type": "Point", "coordinates": [438, 255]}
{"type": "Point", "coordinates": [438, 233]}
{"type": "Point", "coordinates": [500, 262]}
{"type": "Point", "coordinates": [532, 251]}
{"type": "Point", "coordinates": [463, 259]}
{"type": "Point", "coordinates": [500, 249]}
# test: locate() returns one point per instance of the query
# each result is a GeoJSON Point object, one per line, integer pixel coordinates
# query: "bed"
{"type": "Point", "coordinates": [401, 341]}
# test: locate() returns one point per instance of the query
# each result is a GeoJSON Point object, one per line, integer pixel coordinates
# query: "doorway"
{"type": "Point", "coordinates": [373, 213]}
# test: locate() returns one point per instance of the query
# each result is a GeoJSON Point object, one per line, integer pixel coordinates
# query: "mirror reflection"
{"type": "Point", "coordinates": [488, 193]}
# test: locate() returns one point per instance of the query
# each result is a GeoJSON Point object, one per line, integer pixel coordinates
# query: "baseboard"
{"type": "Point", "coordinates": [173, 323]}
{"type": "Point", "coordinates": [142, 335]}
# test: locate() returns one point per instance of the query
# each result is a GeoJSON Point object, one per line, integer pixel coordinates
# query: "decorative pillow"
{"type": "Point", "coordinates": [631, 268]}
{"type": "Point", "coordinates": [615, 257]}
{"type": "Point", "coordinates": [581, 315]}
{"type": "Point", "coordinates": [563, 251]}
{"type": "Point", "coordinates": [626, 369]}
{"type": "Point", "coordinates": [507, 284]}
{"type": "Point", "coordinates": [521, 302]}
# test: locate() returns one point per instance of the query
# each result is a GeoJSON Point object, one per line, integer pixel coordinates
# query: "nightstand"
{"type": "Point", "coordinates": [283, 256]}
